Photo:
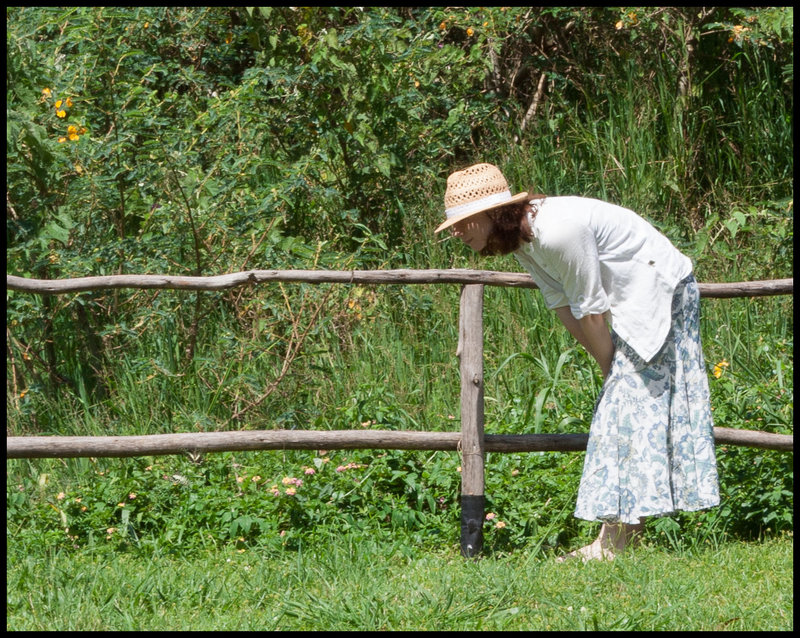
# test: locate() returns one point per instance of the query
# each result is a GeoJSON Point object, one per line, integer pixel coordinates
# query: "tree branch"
{"type": "Point", "coordinates": [532, 108]}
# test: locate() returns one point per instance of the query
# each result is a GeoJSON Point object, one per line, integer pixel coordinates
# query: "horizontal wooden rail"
{"type": "Point", "coordinates": [18, 447]}
{"type": "Point", "coordinates": [453, 276]}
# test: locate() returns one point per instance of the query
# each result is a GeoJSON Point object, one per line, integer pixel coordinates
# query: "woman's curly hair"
{"type": "Point", "coordinates": [508, 232]}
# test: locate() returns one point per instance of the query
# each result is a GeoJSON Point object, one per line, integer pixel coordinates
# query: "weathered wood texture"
{"type": "Point", "coordinates": [18, 447]}
{"type": "Point", "coordinates": [470, 352]}
{"type": "Point", "coordinates": [453, 276]}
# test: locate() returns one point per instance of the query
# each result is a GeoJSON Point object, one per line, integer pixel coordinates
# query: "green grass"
{"type": "Point", "coordinates": [352, 583]}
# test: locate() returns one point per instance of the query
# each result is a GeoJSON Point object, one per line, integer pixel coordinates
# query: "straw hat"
{"type": "Point", "coordinates": [474, 190]}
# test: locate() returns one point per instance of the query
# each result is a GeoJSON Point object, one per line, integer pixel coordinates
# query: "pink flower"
{"type": "Point", "coordinates": [490, 516]}
{"type": "Point", "coordinates": [349, 466]}
{"type": "Point", "coordinates": [309, 470]}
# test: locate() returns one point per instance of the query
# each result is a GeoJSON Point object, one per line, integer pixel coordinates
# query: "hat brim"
{"type": "Point", "coordinates": [457, 218]}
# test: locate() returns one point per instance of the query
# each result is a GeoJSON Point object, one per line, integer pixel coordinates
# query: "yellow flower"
{"type": "Point", "coordinates": [737, 31]}
{"type": "Point", "coordinates": [58, 103]}
{"type": "Point", "coordinates": [443, 25]}
{"type": "Point", "coordinates": [61, 113]}
{"type": "Point", "coordinates": [46, 93]}
{"type": "Point", "coordinates": [619, 25]}
{"type": "Point", "coordinates": [68, 102]}
{"type": "Point", "coordinates": [717, 371]}
{"type": "Point", "coordinates": [61, 140]}
{"type": "Point", "coordinates": [470, 32]}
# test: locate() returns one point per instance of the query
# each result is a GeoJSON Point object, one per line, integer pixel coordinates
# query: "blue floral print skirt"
{"type": "Point", "coordinates": [651, 443]}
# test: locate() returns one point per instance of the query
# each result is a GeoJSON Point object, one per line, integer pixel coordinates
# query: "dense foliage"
{"type": "Point", "coordinates": [212, 140]}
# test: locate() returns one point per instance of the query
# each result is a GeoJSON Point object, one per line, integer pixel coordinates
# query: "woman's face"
{"type": "Point", "coordinates": [473, 231]}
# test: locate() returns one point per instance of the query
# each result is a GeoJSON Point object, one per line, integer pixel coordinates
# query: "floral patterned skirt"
{"type": "Point", "coordinates": [651, 443]}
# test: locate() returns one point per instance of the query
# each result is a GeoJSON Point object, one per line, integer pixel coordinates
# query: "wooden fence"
{"type": "Point", "coordinates": [471, 442]}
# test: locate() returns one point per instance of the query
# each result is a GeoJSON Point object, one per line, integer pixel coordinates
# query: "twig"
{"type": "Point", "coordinates": [534, 105]}
{"type": "Point", "coordinates": [295, 345]}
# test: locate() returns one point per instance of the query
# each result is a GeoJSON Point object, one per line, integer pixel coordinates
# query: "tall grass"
{"type": "Point", "coordinates": [676, 161]}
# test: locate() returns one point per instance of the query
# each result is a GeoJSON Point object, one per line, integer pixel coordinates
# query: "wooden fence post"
{"type": "Point", "coordinates": [470, 351]}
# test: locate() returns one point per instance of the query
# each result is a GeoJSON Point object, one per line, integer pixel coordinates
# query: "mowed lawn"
{"type": "Point", "coordinates": [358, 584]}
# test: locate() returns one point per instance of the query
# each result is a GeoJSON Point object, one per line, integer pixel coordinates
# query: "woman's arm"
{"type": "Point", "coordinates": [592, 333]}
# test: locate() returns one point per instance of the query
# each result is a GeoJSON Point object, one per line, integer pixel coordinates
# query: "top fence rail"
{"type": "Point", "coordinates": [763, 288]}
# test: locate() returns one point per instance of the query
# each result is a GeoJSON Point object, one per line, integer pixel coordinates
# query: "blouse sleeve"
{"type": "Point", "coordinates": [573, 261]}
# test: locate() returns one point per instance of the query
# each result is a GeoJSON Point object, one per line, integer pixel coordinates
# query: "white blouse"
{"type": "Point", "coordinates": [594, 256]}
